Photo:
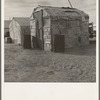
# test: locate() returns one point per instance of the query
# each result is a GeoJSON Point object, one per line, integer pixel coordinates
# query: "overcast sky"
{"type": "Point", "coordinates": [24, 8]}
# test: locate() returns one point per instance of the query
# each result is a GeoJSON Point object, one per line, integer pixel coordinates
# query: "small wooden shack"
{"type": "Point", "coordinates": [20, 31]}
{"type": "Point", "coordinates": [58, 28]}
{"type": "Point", "coordinates": [6, 28]}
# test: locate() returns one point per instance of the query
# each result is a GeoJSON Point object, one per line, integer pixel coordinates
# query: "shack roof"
{"type": "Point", "coordinates": [22, 21]}
{"type": "Point", "coordinates": [7, 23]}
{"type": "Point", "coordinates": [62, 12]}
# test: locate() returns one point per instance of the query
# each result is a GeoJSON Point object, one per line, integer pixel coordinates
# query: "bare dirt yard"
{"type": "Point", "coordinates": [75, 65]}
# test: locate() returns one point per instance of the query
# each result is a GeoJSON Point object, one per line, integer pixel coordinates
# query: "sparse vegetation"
{"type": "Point", "coordinates": [24, 65]}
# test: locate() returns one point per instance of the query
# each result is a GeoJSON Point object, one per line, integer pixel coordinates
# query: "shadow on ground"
{"type": "Point", "coordinates": [89, 50]}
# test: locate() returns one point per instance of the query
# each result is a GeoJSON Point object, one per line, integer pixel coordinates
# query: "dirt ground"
{"type": "Point", "coordinates": [75, 65]}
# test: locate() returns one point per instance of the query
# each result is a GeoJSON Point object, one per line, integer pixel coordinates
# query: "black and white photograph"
{"type": "Point", "coordinates": [50, 41]}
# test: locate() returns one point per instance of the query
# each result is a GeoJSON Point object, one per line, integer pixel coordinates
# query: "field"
{"type": "Point", "coordinates": [75, 65]}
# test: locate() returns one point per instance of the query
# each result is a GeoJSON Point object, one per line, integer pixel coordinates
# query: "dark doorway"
{"type": "Point", "coordinates": [58, 44]}
{"type": "Point", "coordinates": [26, 41]}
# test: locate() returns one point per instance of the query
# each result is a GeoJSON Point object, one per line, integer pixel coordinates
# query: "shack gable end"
{"type": "Point", "coordinates": [15, 31]}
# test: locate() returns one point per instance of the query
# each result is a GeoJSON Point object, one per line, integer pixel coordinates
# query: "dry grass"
{"type": "Point", "coordinates": [22, 65]}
